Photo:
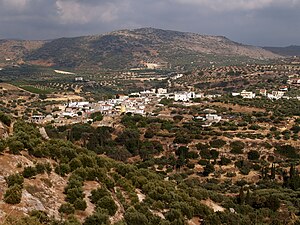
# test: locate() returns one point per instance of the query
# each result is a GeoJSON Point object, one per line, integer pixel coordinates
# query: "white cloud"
{"type": "Point", "coordinates": [82, 13]}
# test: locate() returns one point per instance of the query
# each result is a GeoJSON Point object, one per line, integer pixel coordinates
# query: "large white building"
{"type": "Point", "coordinates": [154, 65]}
{"type": "Point", "coordinates": [247, 94]}
{"type": "Point", "coordinates": [184, 96]}
{"type": "Point", "coordinates": [276, 95]}
{"type": "Point", "coordinates": [78, 105]}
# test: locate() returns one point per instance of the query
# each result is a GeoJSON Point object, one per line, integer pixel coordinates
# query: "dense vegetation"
{"type": "Point", "coordinates": [169, 183]}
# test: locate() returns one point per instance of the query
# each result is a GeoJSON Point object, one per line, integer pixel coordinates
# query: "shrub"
{"type": "Point", "coordinates": [97, 194]}
{"type": "Point", "coordinates": [149, 133]}
{"type": "Point", "coordinates": [41, 216]}
{"type": "Point", "coordinates": [201, 146]}
{"type": "Point", "coordinates": [108, 203]}
{"type": "Point", "coordinates": [237, 147]}
{"type": "Point", "coordinates": [29, 172]}
{"type": "Point", "coordinates": [97, 116]}
{"type": "Point", "coordinates": [13, 194]}
{"type": "Point", "coordinates": [15, 146]}
{"type": "Point", "coordinates": [224, 161]}
{"type": "Point", "coordinates": [272, 202]}
{"type": "Point", "coordinates": [66, 208]}
{"type": "Point", "coordinates": [209, 168]}
{"type": "Point", "coordinates": [99, 217]}
{"type": "Point", "coordinates": [80, 204]}
{"type": "Point", "coordinates": [287, 151]}
{"type": "Point", "coordinates": [5, 119]}
{"type": "Point", "coordinates": [133, 217]}
{"type": "Point", "coordinates": [217, 143]}
{"type": "Point", "coordinates": [2, 145]}
{"type": "Point", "coordinates": [14, 179]}
{"type": "Point", "coordinates": [73, 194]}
{"type": "Point", "coordinates": [253, 155]}
{"type": "Point", "coordinates": [62, 169]}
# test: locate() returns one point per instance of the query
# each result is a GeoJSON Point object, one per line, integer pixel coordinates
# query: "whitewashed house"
{"type": "Point", "coordinates": [247, 94]}
{"type": "Point", "coordinates": [162, 91]}
{"type": "Point", "coordinates": [78, 105]}
{"type": "Point", "coordinates": [184, 96]}
{"type": "Point", "coordinates": [214, 118]}
{"type": "Point", "coordinates": [276, 95]}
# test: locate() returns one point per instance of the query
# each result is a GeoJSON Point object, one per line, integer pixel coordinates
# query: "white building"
{"type": "Point", "coordinates": [247, 94]}
{"type": "Point", "coordinates": [213, 118]}
{"type": "Point", "coordinates": [234, 94]}
{"type": "Point", "coordinates": [37, 118]}
{"type": "Point", "coordinates": [69, 114]}
{"type": "Point", "coordinates": [154, 65]}
{"type": "Point", "coordinates": [106, 107]}
{"type": "Point", "coordinates": [276, 95]}
{"type": "Point", "coordinates": [184, 96]}
{"type": "Point", "coordinates": [78, 105]}
{"type": "Point", "coordinates": [162, 91]}
{"type": "Point", "coordinates": [78, 79]}
{"type": "Point", "coordinates": [283, 88]}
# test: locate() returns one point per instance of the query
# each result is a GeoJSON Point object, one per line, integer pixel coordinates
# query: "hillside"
{"type": "Point", "coordinates": [127, 48]}
{"type": "Point", "coordinates": [15, 50]}
{"type": "Point", "coordinates": [292, 50]}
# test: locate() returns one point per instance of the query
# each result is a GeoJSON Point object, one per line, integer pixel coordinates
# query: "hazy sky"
{"type": "Point", "coordinates": [258, 22]}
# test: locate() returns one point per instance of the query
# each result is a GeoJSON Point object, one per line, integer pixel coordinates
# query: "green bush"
{"type": "Point", "coordinates": [209, 168]}
{"type": "Point", "coordinates": [287, 151]}
{"type": "Point", "coordinates": [80, 204]}
{"type": "Point", "coordinates": [14, 179]}
{"type": "Point", "coordinates": [133, 217]}
{"type": "Point", "coordinates": [5, 119]}
{"type": "Point", "coordinates": [97, 116]}
{"type": "Point", "coordinates": [253, 155]}
{"type": "Point", "coordinates": [13, 194]}
{"type": "Point", "coordinates": [217, 143]}
{"type": "Point", "coordinates": [108, 203]}
{"type": "Point", "coordinates": [66, 208]}
{"type": "Point", "coordinates": [237, 147]}
{"type": "Point", "coordinates": [100, 216]}
{"type": "Point", "coordinates": [2, 145]}
{"type": "Point", "coordinates": [29, 172]}
{"type": "Point", "coordinates": [15, 146]}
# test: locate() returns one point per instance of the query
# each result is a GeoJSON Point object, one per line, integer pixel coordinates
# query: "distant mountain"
{"type": "Point", "coordinates": [127, 48]}
{"type": "Point", "coordinates": [292, 50]}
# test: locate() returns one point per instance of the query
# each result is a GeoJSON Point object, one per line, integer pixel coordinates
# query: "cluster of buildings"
{"type": "Point", "coordinates": [274, 95]}
{"type": "Point", "coordinates": [294, 81]}
{"type": "Point", "coordinates": [135, 103]}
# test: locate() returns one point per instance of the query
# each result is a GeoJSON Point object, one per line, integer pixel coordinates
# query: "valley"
{"type": "Point", "coordinates": [148, 126]}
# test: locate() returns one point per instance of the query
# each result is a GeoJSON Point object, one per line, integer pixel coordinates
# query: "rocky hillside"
{"type": "Point", "coordinates": [15, 50]}
{"type": "Point", "coordinates": [127, 48]}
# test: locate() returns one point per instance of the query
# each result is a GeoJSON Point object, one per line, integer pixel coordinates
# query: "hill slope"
{"type": "Point", "coordinates": [127, 48]}
{"type": "Point", "coordinates": [17, 49]}
{"type": "Point", "coordinates": [292, 50]}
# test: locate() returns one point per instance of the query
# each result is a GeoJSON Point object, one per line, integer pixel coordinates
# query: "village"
{"type": "Point", "coordinates": [144, 103]}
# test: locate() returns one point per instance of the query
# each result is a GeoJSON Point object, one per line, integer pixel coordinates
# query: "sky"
{"type": "Point", "coordinates": [254, 22]}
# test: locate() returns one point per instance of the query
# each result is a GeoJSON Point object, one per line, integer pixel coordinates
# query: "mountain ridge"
{"type": "Point", "coordinates": [128, 48]}
{"type": "Point", "coordinates": [291, 50]}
